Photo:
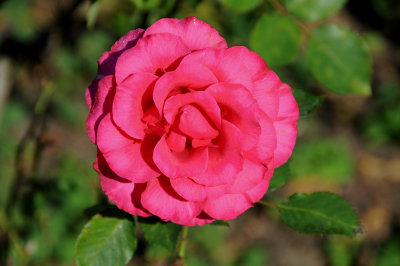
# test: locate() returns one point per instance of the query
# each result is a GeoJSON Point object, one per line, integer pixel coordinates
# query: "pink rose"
{"type": "Point", "coordinates": [187, 129]}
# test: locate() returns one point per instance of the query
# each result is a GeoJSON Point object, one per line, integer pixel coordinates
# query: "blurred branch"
{"type": "Point", "coordinates": [276, 4]}
{"type": "Point", "coordinates": [5, 82]}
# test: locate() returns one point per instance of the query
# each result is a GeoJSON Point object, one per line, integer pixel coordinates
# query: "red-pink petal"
{"type": "Point", "coordinates": [264, 150]}
{"type": "Point", "coordinates": [161, 200]}
{"type": "Point", "coordinates": [285, 125]}
{"type": "Point", "coordinates": [195, 33]}
{"type": "Point", "coordinates": [228, 65]}
{"type": "Point", "coordinates": [127, 106]}
{"type": "Point", "coordinates": [101, 103]}
{"type": "Point", "coordinates": [256, 193]}
{"type": "Point", "coordinates": [201, 99]}
{"type": "Point", "coordinates": [189, 162]}
{"type": "Point", "coordinates": [152, 54]}
{"type": "Point", "coordinates": [193, 124]}
{"type": "Point", "coordinates": [227, 207]}
{"type": "Point", "coordinates": [123, 153]}
{"type": "Point", "coordinates": [286, 131]}
{"type": "Point", "coordinates": [123, 192]}
{"type": "Point", "coordinates": [266, 92]}
{"type": "Point", "coordinates": [176, 142]}
{"type": "Point", "coordinates": [188, 75]}
{"type": "Point", "coordinates": [108, 60]}
{"type": "Point", "coordinates": [240, 108]}
{"type": "Point", "coordinates": [192, 191]}
{"type": "Point", "coordinates": [224, 161]}
{"type": "Point", "coordinates": [251, 174]}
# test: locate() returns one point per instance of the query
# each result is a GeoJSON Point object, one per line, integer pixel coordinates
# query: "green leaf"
{"type": "Point", "coordinates": [106, 241]}
{"type": "Point", "coordinates": [339, 60]}
{"type": "Point", "coordinates": [280, 177]}
{"type": "Point", "coordinates": [162, 234]}
{"type": "Point", "coordinates": [319, 213]}
{"type": "Point", "coordinates": [241, 5]}
{"type": "Point", "coordinates": [276, 39]}
{"type": "Point", "coordinates": [312, 10]}
{"type": "Point", "coordinates": [307, 102]}
{"type": "Point", "coordinates": [389, 254]}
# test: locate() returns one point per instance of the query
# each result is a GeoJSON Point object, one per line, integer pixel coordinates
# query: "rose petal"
{"type": "Point", "coordinates": [263, 151]}
{"type": "Point", "coordinates": [100, 105]}
{"type": "Point", "coordinates": [127, 106]}
{"type": "Point", "coordinates": [122, 153]}
{"type": "Point", "coordinates": [176, 142]}
{"type": "Point", "coordinates": [203, 100]}
{"type": "Point", "coordinates": [224, 161]}
{"type": "Point", "coordinates": [226, 64]}
{"type": "Point", "coordinates": [107, 61]}
{"type": "Point", "coordinates": [193, 123]}
{"type": "Point", "coordinates": [124, 193]}
{"type": "Point", "coordinates": [192, 191]}
{"type": "Point", "coordinates": [256, 193]}
{"type": "Point", "coordinates": [285, 125]}
{"type": "Point", "coordinates": [251, 175]}
{"type": "Point", "coordinates": [161, 200]}
{"type": "Point", "coordinates": [189, 162]}
{"type": "Point", "coordinates": [187, 75]}
{"type": "Point", "coordinates": [195, 33]}
{"type": "Point", "coordinates": [266, 92]}
{"type": "Point", "coordinates": [227, 207]}
{"type": "Point", "coordinates": [240, 108]}
{"type": "Point", "coordinates": [152, 54]}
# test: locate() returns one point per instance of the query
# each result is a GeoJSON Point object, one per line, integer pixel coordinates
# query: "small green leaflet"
{"type": "Point", "coordinates": [280, 177]}
{"type": "Point", "coordinates": [106, 241]}
{"type": "Point", "coordinates": [339, 60]}
{"type": "Point", "coordinates": [276, 39]}
{"type": "Point", "coordinates": [312, 10]}
{"type": "Point", "coordinates": [320, 213]}
{"type": "Point", "coordinates": [160, 233]}
{"type": "Point", "coordinates": [307, 102]}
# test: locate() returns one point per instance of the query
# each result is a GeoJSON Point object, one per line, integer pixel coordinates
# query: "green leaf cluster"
{"type": "Point", "coordinates": [335, 56]}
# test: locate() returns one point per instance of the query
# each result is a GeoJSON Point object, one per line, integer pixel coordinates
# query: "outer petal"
{"type": "Point", "coordinates": [101, 103]}
{"type": "Point", "coordinates": [188, 76]}
{"type": "Point", "coordinates": [256, 193]}
{"type": "Point", "coordinates": [189, 162]}
{"type": "Point", "coordinates": [251, 175]}
{"type": "Point", "coordinates": [123, 153]}
{"type": "Point", "coordinates": [192, 191]}
{"type": "Point", "coordinates": [201, 99]}
{"type": "Point", "coordinates": [124, 193]}
{"type": "Point", "coordinates": [285, 125]}
{"type": "Point", "coordinates": [127, 106]}
{"type": "Point", "coordinates": [108, 60]}
{"type": "Point", "coordinates": [264, 149]}
{"type": "Point", "coordinates": [152, 54]}
{"type": "Point", "coordinates": [195, 33]}
{"type": "Point", "coordinates": [227, 207]}
{"type": "Point", "coordinates": [225, 161]}
{"type": "Point", "coordinates": [240, 108]}
{"type": "Point", "coordinates": [266, 92]}
{"type": "Point", "coordinates": [161, 200]}
{"type": "Point", "coordinates": [234, 65]}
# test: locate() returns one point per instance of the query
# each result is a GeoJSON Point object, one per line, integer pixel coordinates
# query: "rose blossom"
{"type": "Point", "coordinates": [186, 128]}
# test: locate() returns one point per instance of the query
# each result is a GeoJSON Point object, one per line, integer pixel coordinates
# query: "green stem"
{"type": "Point", "coordinates": [269, 204]}
{"type": "Point", "coordinates": [183, 242]}
{"type": "Point", "coordinates": [276, 4]}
